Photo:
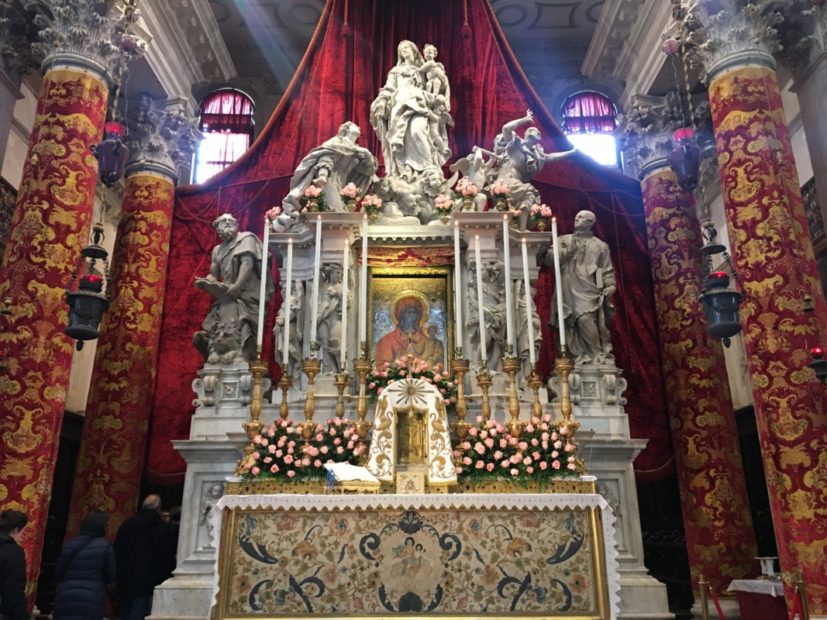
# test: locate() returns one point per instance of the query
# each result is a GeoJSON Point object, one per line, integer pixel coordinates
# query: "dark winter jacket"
{"type": "Point", "coordinates": [85, 567]}
{"type": "Point", "coordinates": [12, 580]}
{"type": "Point", "coordinates": [142, 548]}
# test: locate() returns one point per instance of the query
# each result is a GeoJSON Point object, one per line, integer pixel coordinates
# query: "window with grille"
{"type": "Point", "coordinates": [589, 121]}
{"type": "Point", "coordinates": [226, 119]}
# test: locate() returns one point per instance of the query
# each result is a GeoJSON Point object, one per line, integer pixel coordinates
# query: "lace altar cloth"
{"type": "Point", "coordinates": [460, 554]}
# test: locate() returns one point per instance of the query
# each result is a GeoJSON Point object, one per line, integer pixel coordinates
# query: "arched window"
{"type": "Point", "coordinates": [589, 121]}
{"type": "Point", "coordinates": [226, 119]}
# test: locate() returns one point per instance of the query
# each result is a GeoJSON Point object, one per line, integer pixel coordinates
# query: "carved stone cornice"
{"type": "Point", "coordinates": [733, 33]}
{"type": "Point", "coordinates": [17, 33]}
{"type": "Point", "coordinates": [645, 132]}
{"type": "Point", "coordinates": [610, 37]}
{"type": "Point", "coordinates": [75, 32]}
{"type": "Point", "coordinates": [161, 140]}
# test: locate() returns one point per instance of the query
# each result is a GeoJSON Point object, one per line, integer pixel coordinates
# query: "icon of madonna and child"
{"type": "Point", "coordinates": [412, 332]}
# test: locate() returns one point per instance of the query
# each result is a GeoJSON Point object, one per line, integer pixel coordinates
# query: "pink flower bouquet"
{"type": "Point", "coordinates": [539, 217]}
{"type": "Point", "coordinates": [414, 368]}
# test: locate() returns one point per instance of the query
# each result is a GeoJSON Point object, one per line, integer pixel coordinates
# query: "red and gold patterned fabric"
{"type": "Point", "coordinates": [51, 223]}
{"type": "Point", "coordinates": [115, 429]}
{"type": "Point", "coordinates": [773, 255]}
{"type": "Point", "coordinates": [717, 520]}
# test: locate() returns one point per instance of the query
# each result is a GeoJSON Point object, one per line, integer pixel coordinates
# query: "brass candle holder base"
{"type": "Point", "coordinates": [535, 383]}
{"type": "Point", "coordinates": [510, 366]}
{"type": "Point", "coordinates": [484, 381]}
{"type": "Point", "coordinates": [362, 367]}
{"type": "Point", "coordinates": [341, 383]}
{"type": "Point", "coordinates": [258, 368]}
{"type": "Point", "coordinates": [285, 384]}
{"type": "Point", "coordinates": [312, 367]}
{"type": "Point", "coordinates": [459, 367]}
{"type": "Point", "coordinates": [564, 365]}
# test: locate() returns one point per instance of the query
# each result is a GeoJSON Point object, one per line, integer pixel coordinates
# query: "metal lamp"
{"type": "Point", "coordinates": [112, 153]}
{"type": "Point", "coordinates": [685, 158]}
{"type": "Point", "coordinates": [87, 303]}
{"type": "Point", "coordinates": [721, 306]}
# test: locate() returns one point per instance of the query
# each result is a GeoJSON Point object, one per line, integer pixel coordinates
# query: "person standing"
{"type": "Point", "coordinates": [141, 551]}
{"type": "Point", "coordinates": [85, 568]}
{"type": "Point", "coordinates": [12, 566]}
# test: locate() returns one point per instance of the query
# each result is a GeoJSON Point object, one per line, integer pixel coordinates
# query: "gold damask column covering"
{"type": "Point", "coordinates": [113, 444]}
{"type": "Point", "coordinates": [50, 224]}
{"type": "Point", "coordinates": [773, 255]}
{"type": "Point", "coordinates": [716, 516]}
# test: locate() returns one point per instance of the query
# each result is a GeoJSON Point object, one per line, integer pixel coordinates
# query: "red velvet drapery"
{"type": "Point", "coordinates": [589, 112]}
{"type": "Point", "coordinates": [346, 63]}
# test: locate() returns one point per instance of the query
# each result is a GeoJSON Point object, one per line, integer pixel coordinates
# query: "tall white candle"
{"type": "Point", "coordinates": [262, 291]}
{"type": "Point", "coordinates": [345, 282]}
{"type": "Point", "coordinates": [363, 286]}
{"type": "Point", "coordinates": [558, 283]}
{"type": "Point", "coordinates": [480, 305]}
{"type": "Point", "coordinates": [509, 316]}
{"type": "Point", "coordinates": [314, 300]}
{"type": "Point", "coordinates": [457, 286]}
{"type": "Point", "coordinates": [288, 286]}
{"type": "Point", "coordinates": [529, 308]}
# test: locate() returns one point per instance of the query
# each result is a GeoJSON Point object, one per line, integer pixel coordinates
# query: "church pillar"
{"type": "Point", "coordinates": [111, 458]}
{"type": "Point", "coordinates": [773, 256]}
{"type": "Point", "coordinates": [50, 224]}
{"type": "Point", "coordinates": [716, 517]}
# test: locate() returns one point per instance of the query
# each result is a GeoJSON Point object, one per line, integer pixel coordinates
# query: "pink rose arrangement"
{"type": "Point", "coordinates": [444, 204]}
{"type": "Point", "coordinates": [312, 199]}
{"type": "Point", "coordinates": [539, 217]}
{"type": "Point", "coordinates": [412, 367]}
{"type": "Point", "coordinates": [280, 450]}
{"type": "Point", "coordinates": [372, 205]}
{"type": "Point", "coordinates": [272, 213]}
{"type": "Point", "coordinates": [542, 451]}
{"type": "Point", "coordinates": [464, 194]}
{"type": "Point", "coordinates": [350, 196]}
{"type": "Point", "coordinates": [498, 192]}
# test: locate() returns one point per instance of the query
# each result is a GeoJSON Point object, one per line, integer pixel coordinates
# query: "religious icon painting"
{"type": "Point", "coordinates": [409, 312]}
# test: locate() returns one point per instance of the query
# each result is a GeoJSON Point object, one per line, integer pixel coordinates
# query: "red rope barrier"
{"type": "Point", "coordinates": [717, 605]}
{"type": "Point", "coordinates": [796, 605]}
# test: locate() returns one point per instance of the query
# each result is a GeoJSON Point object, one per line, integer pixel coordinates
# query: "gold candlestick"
{"type": "Point", "coordinates": [459, 367]}
{"type": "Point", "coordinates": [311, 366]}
{"type": "Point", "coordinates": [535, 383]}
{"type": "Point", "coordinates": [362, 367]}
{"type": "Point", "coordinates": [564, 364]}
{"type": "Point", "coordinates": [510, 366]}
{"type": "Point", "coordinates": [258, 368]}
{"type": "Point", "coordinates": [284, 384]}
{"type": "Point", "coordinates": [484, 381]}
{"type": "Point", "coordinates": [341, 383]}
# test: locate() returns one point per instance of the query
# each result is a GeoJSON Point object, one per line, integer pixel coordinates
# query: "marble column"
{"type": "Point", "coordinates": [773, 256]}
{"type": "Point", "coordinates": [50, 224]}
{"type": "Point", "coordinates": [113, 444]}
{"type": "Point", "coordinates": [717, 522]}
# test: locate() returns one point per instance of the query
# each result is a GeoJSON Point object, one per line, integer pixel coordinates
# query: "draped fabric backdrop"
{"type": "Point", "coordinates": [346, 63]}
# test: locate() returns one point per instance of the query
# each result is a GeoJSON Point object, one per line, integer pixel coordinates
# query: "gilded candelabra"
{"type": "Point", "coordinates": [258, 368]}
{"type": "Point", "coordinates": [341, 380]}
{"type": "Point", "coordinates": [459, 367]}
{"type": "Point", "coordinates": [312, 366]}
{"type": "Point", "coordinates": [284, 383]}
{"type": "Point", "coordinates": [510, 366]}
{"type": "Point", "coordinates": [362, 367]}
{"type": "Point", "coordinates": [535, 383]}
{"type": "Point", "coordinates": [484, 381]}
{"type": "Point", "coordinates": [564, 364]}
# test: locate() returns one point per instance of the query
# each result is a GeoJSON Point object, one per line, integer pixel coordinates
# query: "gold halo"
{"type": "Point", "coordinates": [408, 294]}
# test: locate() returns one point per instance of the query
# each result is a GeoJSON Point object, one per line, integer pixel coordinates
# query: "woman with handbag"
{"type": "Point", "coordinates": [85, 568]}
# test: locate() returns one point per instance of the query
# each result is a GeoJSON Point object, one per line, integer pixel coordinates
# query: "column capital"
{"type": "Point", "coordinates": [723, 34]}
{"type": "Point", "coordinates": [76, 33]}
{"type": "Point", "coordinates": [17, 33]}
{"type": "Point", "coordinates": [804, 36]}
{"type": "Point", "coordinates": [646, 131]}
{"type": "Point", "coordinates": [160, 140]}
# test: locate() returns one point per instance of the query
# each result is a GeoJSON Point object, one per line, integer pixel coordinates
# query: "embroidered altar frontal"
{"type": "Point", "coordinates": [529, 556]}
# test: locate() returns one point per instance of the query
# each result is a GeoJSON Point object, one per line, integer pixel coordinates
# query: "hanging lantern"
{"type": "Point", "coordinates": [112, 153]}
{"type": "Point", "coordinates": [818, 363]}
{"type": "Point", "coordinates": [685, 158]}
{"type": "Point", "coordinates": [87, 303]}
{"type": "Point", "coordinates": [721, 307]}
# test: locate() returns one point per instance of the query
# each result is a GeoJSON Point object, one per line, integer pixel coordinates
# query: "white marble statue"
{"type": "Point", "coordinates": [404, 198]}
{"type": "Point", "coordinates": [294, 350]}
{"type": "Point", "coordinates": [329, 332]}
{"type": "Point", "coordinates": [521, 332]}
{"type": "Point", "coordinates": [330, 166]}
{"type": "Point", "coordinates": [229, 329]}
{"type": "Point", "coordinates": [411, 114]}
{"type": "Point", "coordinates": [494, 310]}
{"type": "Point", "coordinates": [588, 283]}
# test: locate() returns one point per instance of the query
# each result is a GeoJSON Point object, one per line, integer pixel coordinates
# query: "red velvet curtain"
{"type": "Point", "coordinates": [346, 63]}
{"type": "Point", "coordinates": [589, 113]}
{"type": "Point", "coordinates": [227, 110]}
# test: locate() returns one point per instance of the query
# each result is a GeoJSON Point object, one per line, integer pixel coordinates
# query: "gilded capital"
{"type": "Point", "coordinates": [646, 131]}
{"type": "Point", "coordinates": [160, 139]}
{"type": "Point", "coordinates": [720, 34]}
{"type": "Point", "coordinates": [78, 32]}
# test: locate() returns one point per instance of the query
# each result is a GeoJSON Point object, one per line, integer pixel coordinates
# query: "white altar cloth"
{"type": "Point", "coordinates": [464, 501]}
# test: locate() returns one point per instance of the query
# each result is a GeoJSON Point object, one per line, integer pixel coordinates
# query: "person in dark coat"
{"type": "Point", "coordinates": [141, 550]}
{"type": "Point", "coordinates": [85, 568]}
{"type": "Point", "coordinates": [12, 566]}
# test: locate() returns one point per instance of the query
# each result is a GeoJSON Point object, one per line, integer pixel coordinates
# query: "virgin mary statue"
{"type": "Point", "coordinates": [409, 119]}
